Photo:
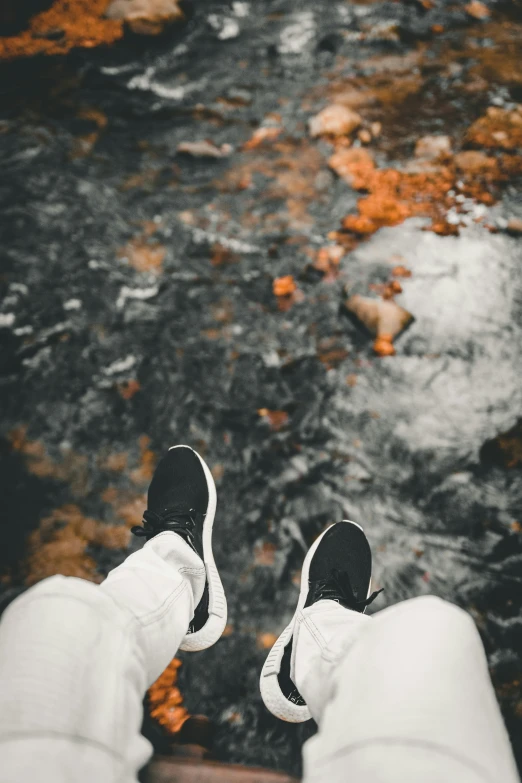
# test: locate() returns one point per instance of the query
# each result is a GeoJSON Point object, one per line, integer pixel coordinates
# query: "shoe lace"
{"type": "Point", "coordinates": [180, 519]}
{"type": "Point", "coordinates": [337, 587]}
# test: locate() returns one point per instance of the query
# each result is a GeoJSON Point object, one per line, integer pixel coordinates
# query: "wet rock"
{"type": "Point", "coordinates": [335, 120]}
{"type": "Point", "coordinates": [204, 149]}
{"type": "Point", "coordinates": [225, 27]}
{"type": "Point", "coordinates": [384, 319]}
{"type": "Point", "coordinates": [433, 147]}
{"type": "Point", "coordinates": [505, 450]}
{"type": "Point", "coordinates": [145, 17]}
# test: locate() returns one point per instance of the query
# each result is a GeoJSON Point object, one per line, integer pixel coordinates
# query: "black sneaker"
{"type": "Point", "coordinates": [338, 567]}
{"type": "Point", "coordinates": [182, 499]}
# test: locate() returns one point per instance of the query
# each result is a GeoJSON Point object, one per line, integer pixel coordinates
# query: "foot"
{"type": "Point", "coordinates": [182, 499]}
{"type": "Point", "coordinates": [338, 567]}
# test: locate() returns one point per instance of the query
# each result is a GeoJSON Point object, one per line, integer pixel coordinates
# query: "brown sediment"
{"type": "Point", "coordinates": [64, 26]}
{"type": "Point", "coordinates": [72, 468]}
{"type": "Point", "coordinates": [166, 701]}
{"type": "Point", "coordinates": [143, 255]}
{"type": "Point", "coordinates": [292, 167]}
{"type": "Point", "coordinates": [59, 545]}
{"type": "Point", "coordinates": [277, 420]}
{"type": "Point", "coordinates": [127, 389]}
{"type": "Point", "coordinates": [143, 473]}
{"type": "Point", "coordinates": [497, 129]}
{"type": "Point", "coordinates": [428, 189]}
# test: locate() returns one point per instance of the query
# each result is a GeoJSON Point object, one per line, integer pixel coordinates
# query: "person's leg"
{"type": "Point", "coordinates": [400, 697]}
{"type": "Point", "coordinates": [77, 658]}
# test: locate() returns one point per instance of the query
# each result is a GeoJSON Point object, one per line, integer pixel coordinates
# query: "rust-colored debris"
{"type": "Point", "coordinates": [354, 165]}
{"type": "Point", "coordinates": [284, 286]}
{"type": "Point", "coordinates": [387, 290]}
{"type": "Point", "coordinates": [401, 271]}
{"type": "Point", "coordinates": [277, 420]}
{"type": "Point", "coordinates": [166, 701]}
{"type": "Point", "coordinates": [129, 388]}
{"type": "Point", "coordinates": [477, 10]}
{"type": "Point", "coordinates": [264, 553]}
{"type": "Point", "coordinates": [143, 255]}
{"type": "Point", "coordinates": [266, 640]}
{"type": "Point", "coordinates": [70, 24]}
{"type": "Point", "coordinates": [64, 26]}
{"type": "Point", "coordinates": [395, 195]}
{"type": "Point", "coordinates": [497, 129]}
{"type": "Point", "coordinates": [143, 473]}
{"type": "Point", "coordinates": [327, 261]}
{"type": "Point", "coordinates": [59, 545]}
{"type": "Point", "coordinates": [330, 353]}
{"type": "Point", "coordinates": [72, 468]}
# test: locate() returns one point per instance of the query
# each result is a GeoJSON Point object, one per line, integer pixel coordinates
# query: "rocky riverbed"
{"type": "Point", "coordinates": [287, 234]}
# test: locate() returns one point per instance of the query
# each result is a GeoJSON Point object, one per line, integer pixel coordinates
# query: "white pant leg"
{"type": "Point", "coordinates": [76, 659]}
{"type": "Point", "coordinates": [400, 697]}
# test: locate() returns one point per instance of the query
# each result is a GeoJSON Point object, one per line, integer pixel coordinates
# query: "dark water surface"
{"type": "Point", "coordinates": [403, 445]}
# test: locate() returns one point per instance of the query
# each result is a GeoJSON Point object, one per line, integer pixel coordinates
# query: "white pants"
{"type": "Point", "coordinates": [403, 696]}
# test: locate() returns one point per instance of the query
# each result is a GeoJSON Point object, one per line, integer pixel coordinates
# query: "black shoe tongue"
{"type": "Point", "coordinates": [201, 612]}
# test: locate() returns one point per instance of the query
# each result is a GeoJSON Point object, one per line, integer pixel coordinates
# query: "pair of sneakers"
{"type": "Point", "coordinates": [337, 567]}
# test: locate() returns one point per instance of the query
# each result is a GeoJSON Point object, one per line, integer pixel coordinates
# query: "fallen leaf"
{"type": "Point", "coordinates": [383, 346]}
{"type": "Point", "coordinates": [284, 286]}
{"type": "Point", "coordinates": [266, 640]}
{"type": "Point", "coordinates": [276, 419]}
{"type": "Point", "coordinates": [128, 389]}
{"type": "Point", "coordinates": [401, 271]}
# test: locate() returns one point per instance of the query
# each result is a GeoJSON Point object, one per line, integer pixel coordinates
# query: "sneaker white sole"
{"type": "Point", "coordinates": [217, 602]}
{"type": "Point", "coordinates": [271, 693]}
